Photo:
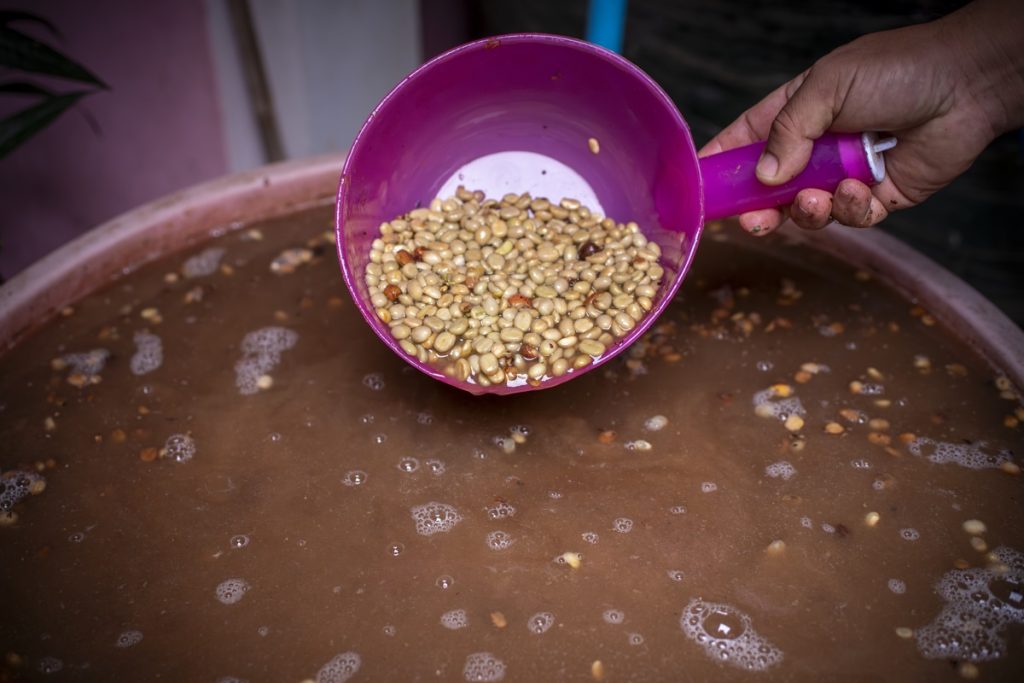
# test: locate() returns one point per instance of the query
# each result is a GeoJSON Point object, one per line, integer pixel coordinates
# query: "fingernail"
{"type": "Point", "coordinates": [767, 166]}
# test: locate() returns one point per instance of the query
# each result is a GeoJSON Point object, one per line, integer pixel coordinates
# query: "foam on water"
{"type": "Point", "coordinates": [204, 263]}
{"type": "Point", "coordinates": [87, 363]}
{"type": "Point", "coordinates": [49, 665]}
{"type": "Point", "coordinates": [780, 470]}
{"type": "Point", "coordinates": [708, 487]}
{"type": "Point", "coordinates": [374, 381]}
{"type": "Point", "coordinates": [231, 591]}
{"type": "Point", "coordinates": [455, 619]}
{"type": "Point", "coordinates": [897, 586]}
{"type": "Point", "coordinates": [766, 404]}
{"type": "Point", "coordinates": [149, 353]}
{"type": "Point", "coordinates": [482, 667]}
{"type": "Point", "coordinates": [540, 622]}
{"type": "Point", "coordinates": [980, 604]}
{"type": "Point", "coordinates": [656, 423]}
{"type": "Point", "coordinates": [623, 525]}
{"type": "Point", "coordinates": [590, 537]}
{"type": "Point", "coordinates": [909, 534]}
{"type": "Point", "coordinates": [434, 518]}
{"type": "Point", "coordinates": [17, 484]}
{"type": "Point", "coordinates": [973, 456]}
{"type": "Point", "coordinates": [676, 574]}
{"type": "Point", "coordinates": [727, 634]}
{"type": "Point", "coordinates": [501, 510]}
{"type": "Point", "coordinates": [129, 639]}
{"type": "Point", "coordinates": [499, 540]}
{"type": "Point", "coordinates": [261, 352]}
{"type": "Point", "coordinates": [341, 668]}
{"type": "Point", "coordinates": [179, 447]}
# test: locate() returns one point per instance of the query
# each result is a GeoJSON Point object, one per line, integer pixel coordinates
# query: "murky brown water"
{"type": "Point", "coordinates": [320, 502]}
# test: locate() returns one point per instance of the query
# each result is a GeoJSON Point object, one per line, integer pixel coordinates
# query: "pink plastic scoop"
{"type": "Point", "coordinates": [514, 114]}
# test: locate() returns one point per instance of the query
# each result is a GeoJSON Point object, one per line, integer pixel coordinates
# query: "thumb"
{"type": "Point", "coordinates": [810, 111]}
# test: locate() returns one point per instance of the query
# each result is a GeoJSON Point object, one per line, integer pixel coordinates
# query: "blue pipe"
{"type": "Point", "coordinates": [606, 23]}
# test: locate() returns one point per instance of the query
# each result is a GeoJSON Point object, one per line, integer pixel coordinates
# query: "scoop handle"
{"type": "Point", "coordinates": [731, 187]}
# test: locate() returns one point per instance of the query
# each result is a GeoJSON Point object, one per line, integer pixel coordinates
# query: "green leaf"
{"type": "Point", "coordinates": [7, 16]}
{"type": "Point", "coordinates": [19, 127]}
{"type": "Point", "coordinates": [24, 88]}
{"type": "Point", "coordinates": [20, 51]}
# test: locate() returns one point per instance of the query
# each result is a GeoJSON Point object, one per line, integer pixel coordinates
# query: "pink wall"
{"type": "Point", "coordinates": [159, 125]}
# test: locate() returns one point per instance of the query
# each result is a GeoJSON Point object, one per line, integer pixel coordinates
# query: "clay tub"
{"type": "Point", "coordinates": [213, 471]}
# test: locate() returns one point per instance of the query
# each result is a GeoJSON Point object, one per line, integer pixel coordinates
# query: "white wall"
{"type": "Point", "coordinates": [327, 62]}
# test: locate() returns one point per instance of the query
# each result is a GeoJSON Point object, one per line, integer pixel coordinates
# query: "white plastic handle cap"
{"type": "Point", "coordinates": [873, 151]}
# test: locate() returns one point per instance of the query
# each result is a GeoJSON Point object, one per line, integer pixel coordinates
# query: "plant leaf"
{"type": "Point", "coordinates": [7, 16]}
{"type": "Point", "coordinates": [20, 51]}
{"type": "Point", "coordinates": [19, 127]}
{"type": "Point", "coordinates": [24, 88]}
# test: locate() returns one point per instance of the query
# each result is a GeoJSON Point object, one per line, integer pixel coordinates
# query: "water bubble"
{"type": "Point", "coordinates": [483, 667]}
{"type": "Point", "coordinates": [656, 423]}
{"type": "Point", "coordinates": [409, 464]}
{"type": "Point", "coordinates": [179, 447]}
{"type": "Point", "coordinates": [676, 574]}
{"type": "Point", "coordinates": [860, 464]}
{"type": "Point", "coordinates": [231, 591]}
{"type": "Point", "coordinates": [708, 487]}
{"type": "Point", "coordinates": [149, 353]}
{"type": "Point", "coordinates": [354, 478]}
{"type": "Point", "coordinates": [436, 467]}
{"type": "Point", "coordinates": [828, 528]}
{"type": "Point", "coordinates": [501, 510]}
{"type": "Point", "coordinates": [768, 404]}
{"type": "Point", "coordinates": [540, 622]}
{"type": "Point", "coordinates": [636, 639]}
{"type": "Point", "coordinates": [677, 509]}
{"type": "Point", "coordinates": [590, 537]}
{"type": "Point", "coordinates": [77, 537]}
{"type": "Point", "coordinates": [637, 445]}
{"type": "Point", "coordinates": [380, 438]}
{"type": "Point", "coordinates": [232, 679]}
{"type": "Point", "coordinates": [973, 456]}
{"type": "Point", "coordinates": [479, 454]}
{"type": "Point", "coordinates": [374, 381]}
{"type": "Point", "coordinates": [727, 634]}
{"type": "Point", "coordinates": [49, 665]}
{"type": "Point", "coordinates": [780, 470]}
{"type": "Point", "coordinates": [341, 668]}
{"type": "Point", "coordinates": [261, 352]}
{"type": "Point", "coordinates": [909, 534]}
{"type": "Point", "coordinates": [263, 631]}
{"type": "Point", "coordinates": [623, 525]}
{"type": "Point", "coordinates": [433, 518]}
{"type": "Point", "coordinates": [275, 437]}
{"type": "Point", "coordinates": [520, 430]}
{"type": "Point", "coordinates": [897, 586]}
{"type": "Point", "coordinates": [389, 630]}
{"type": "Point", "coordinates": [367, 419]}
{"type": "Point", "coordinates": [204, 263]}
{"type": "Point", "coordinates": [239, 541]}
{"type": "Point", "coordinates": [499, 540]}
{"type": "Point", "coordinates": [555, 495]}
{"type": "Point", "coordinates": [765, 365]}
{"type": "Point", "coordinates": [129, 639]}
{"type": "Point", "coordinates": [454, 619]}
{"type": "Point", "coordinates": [395, 549]}
{"type": "Point", "coordinates": [444, 582]}
{"type": "Point", "coordinates": [613, 616]}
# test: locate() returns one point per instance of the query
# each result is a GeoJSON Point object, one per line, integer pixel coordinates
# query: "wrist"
{"type": "Point", "coordinates": [990, 54]}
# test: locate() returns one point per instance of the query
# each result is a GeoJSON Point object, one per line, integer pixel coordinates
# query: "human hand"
{"type": "Point", "coordinates": [944, 89]}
